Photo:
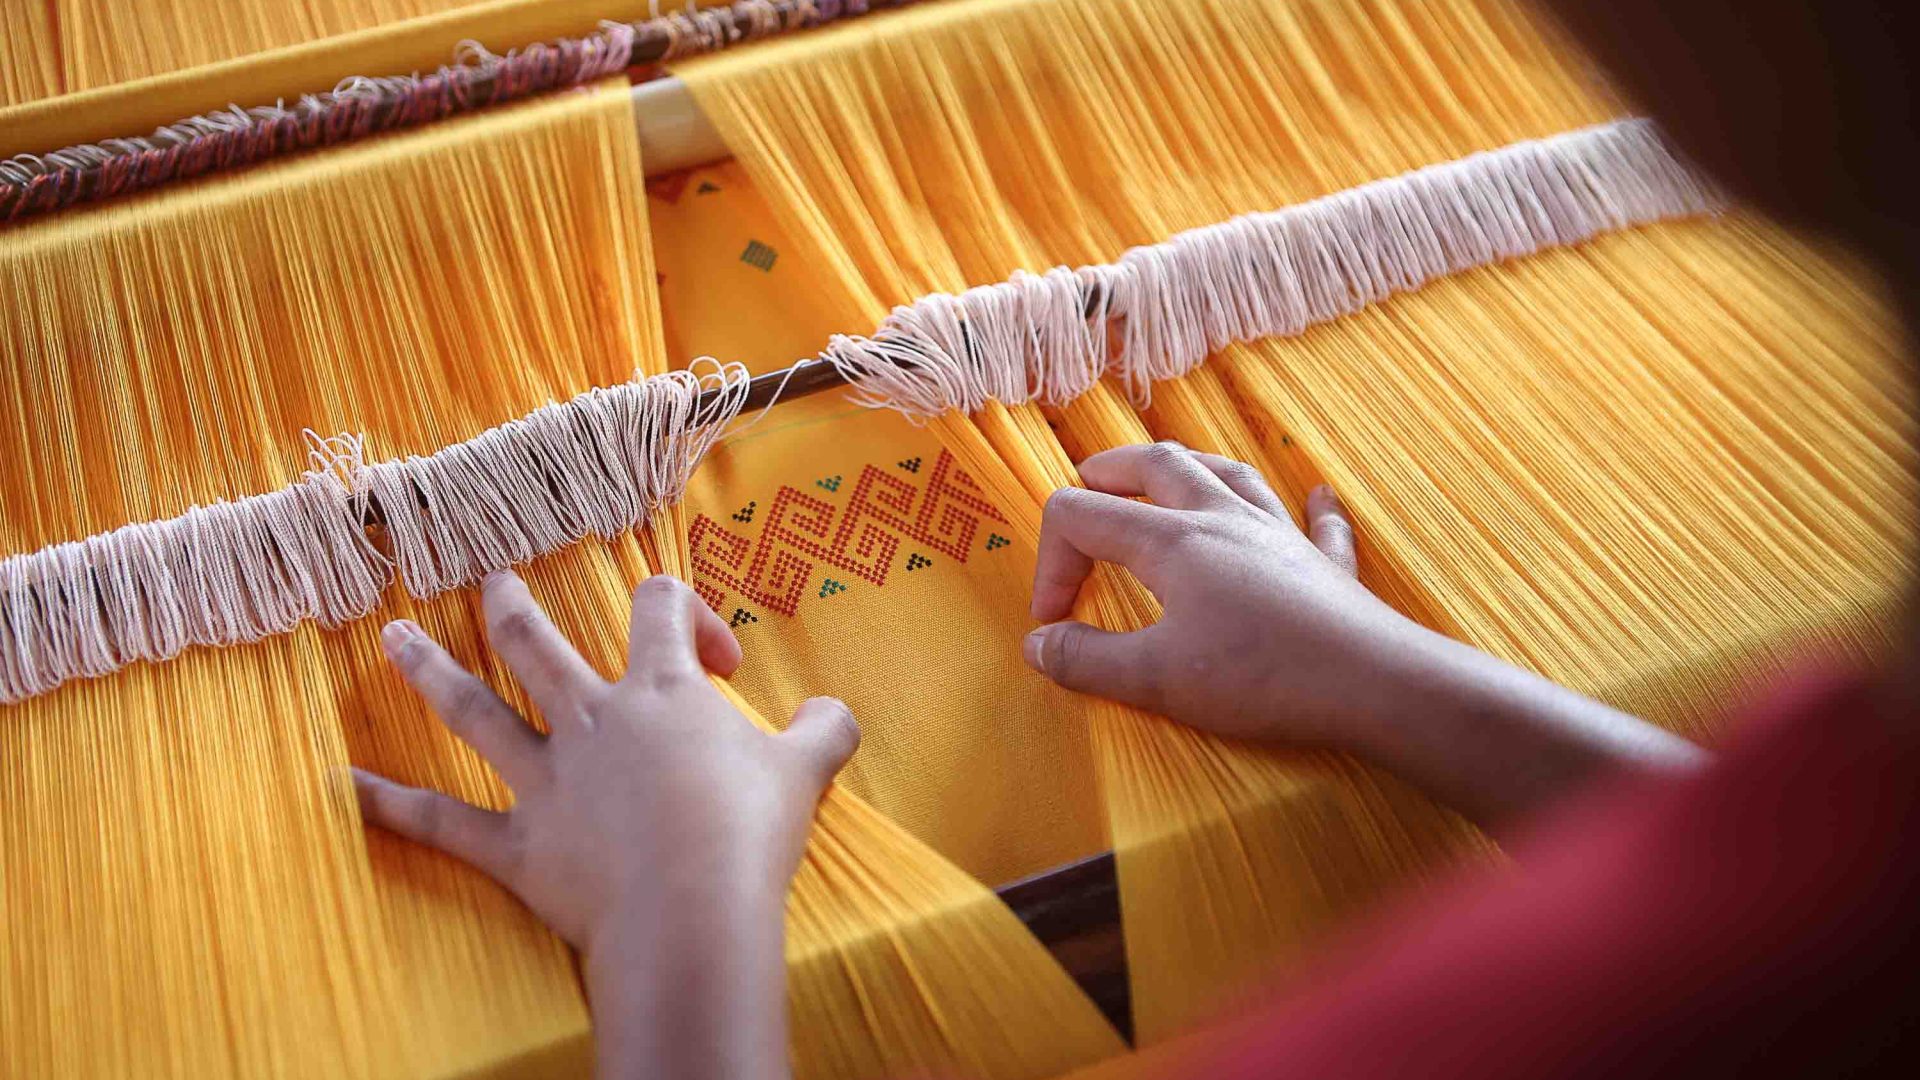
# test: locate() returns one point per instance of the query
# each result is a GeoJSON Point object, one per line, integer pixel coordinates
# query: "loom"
{"type": "Point", "coordinates": [1588, 417]}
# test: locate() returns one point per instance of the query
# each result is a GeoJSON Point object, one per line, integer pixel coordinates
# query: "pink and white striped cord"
{"type": "Point", "coordinates": [33, 184]}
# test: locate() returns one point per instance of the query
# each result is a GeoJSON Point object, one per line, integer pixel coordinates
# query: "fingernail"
{"type": "Point", "coordinates": [1030, 649]}
{"type": "Point", "coordinates": [366, 788]}
{"type": "Point", "coordinates": [398, 633]}
{"type": "Point", "coordinates": [498, 577]}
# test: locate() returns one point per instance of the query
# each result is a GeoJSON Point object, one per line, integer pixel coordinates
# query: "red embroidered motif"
{"type": "Point", "coordinates": [799, 533]}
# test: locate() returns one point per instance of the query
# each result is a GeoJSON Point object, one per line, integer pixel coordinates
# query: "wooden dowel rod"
{"type": "Point", "coordinates": [1074, 910]}
{"type": "Point", "coordinates": [798, 381]}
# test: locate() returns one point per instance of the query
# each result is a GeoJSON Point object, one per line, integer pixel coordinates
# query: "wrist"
{"type": "Point", "coordinates": [1395, 672]}
{"type": "Point", "coordinates": [690, 983]}
{"type": "Point", "coordinates": [663, 915]}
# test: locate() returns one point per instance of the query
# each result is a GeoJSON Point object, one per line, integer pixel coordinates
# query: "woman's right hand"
{"type": "Point", "coordinates": [1267, 634]}
{"type": "Point", "coordinates": [1266, 631]}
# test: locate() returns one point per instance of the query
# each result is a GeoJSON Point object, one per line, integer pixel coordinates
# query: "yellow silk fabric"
{"type": "Point", "coordinates": [69, 45]}
{"type": "Point", "coordinates": [1648, 467]}
{"type": "Point", "coordinates": [914, 617]}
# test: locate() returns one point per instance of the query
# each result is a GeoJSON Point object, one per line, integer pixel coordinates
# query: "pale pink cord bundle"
{"type": "Point", "coordinates": [216, 575]}
{"type": "Point", "coordinates": [596, 465]}
{"type": "Point", "coordinates": [240, 571]}
{"type": "Point", "coordinates": [1174, 303]}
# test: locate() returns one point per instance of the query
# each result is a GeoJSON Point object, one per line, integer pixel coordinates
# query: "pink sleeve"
{"type": "Point", "coordinates": [1760, 915]}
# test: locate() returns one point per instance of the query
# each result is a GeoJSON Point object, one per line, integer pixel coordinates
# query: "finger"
{"type": "Point", "coordinates": [1080, 526]}
{"type": "Point", "coordinates": [468, 707]}
{"type": "Point", "coordinates": [825, 735]}
{"type": "Point", "coordinates": [1164, 472]}
{"type": "Point", "coordinates": [535, 650]}
{"type": "Point", "coordinates": [1331, 530]}
{"type": "Point", "coordinates": [1245, 481]}
{"type": "Point", "coordinates": [1093, 661]}
{"type": "Point", "coordinates": [668, 621]}
{"type": "Point", "coordinates": [468, 833]}
{"type": "Point", "coordinates": [719, 650]}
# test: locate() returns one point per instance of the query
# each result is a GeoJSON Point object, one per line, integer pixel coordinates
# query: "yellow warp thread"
{"type": "Point", "coordinates": [180, 839]}
{"type": "Point", "coordinates": [80, 71]}
{"type": "Point", "coordinates": [1651, 467]}
{"type": "Point", "coordinates": [69, 45]}
{"type": "Point", "coordinates": [182, 831]}
{"type": "Point", "coordinates": [187, 886]}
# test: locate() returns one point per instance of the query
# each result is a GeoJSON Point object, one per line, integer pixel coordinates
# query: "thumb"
{"type": "Point", "coordinates": [824, 734]}
{"type": "Point", "coordinates": [1331, 530]}
{"type": "Point", "coordinates": [1093, 661]}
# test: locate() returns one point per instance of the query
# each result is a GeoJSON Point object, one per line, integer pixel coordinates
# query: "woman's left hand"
{"type": "Point", "coordinates": [655, 828]}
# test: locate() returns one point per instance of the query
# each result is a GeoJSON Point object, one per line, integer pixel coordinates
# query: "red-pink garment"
{"type": "Point", "coordinates": [1758, 917]}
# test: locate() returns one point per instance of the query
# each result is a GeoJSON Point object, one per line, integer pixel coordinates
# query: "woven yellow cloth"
{"type": "Point", "coordinates": [854, 558]}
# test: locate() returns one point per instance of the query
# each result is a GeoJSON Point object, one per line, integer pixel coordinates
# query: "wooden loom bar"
{"type": "Point", "coordinates": [234, 138]}
{"type": "Point", "coordinates": [1074, 910]}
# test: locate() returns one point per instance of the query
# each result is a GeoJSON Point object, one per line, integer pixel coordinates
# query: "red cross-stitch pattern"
{"type": "Point", "coordinates": [799, 533]}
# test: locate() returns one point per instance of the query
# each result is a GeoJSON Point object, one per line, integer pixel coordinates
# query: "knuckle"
{"type": "Point", "coordinates": [1164, 455]}
{"type": "Point", "coordinates": [1333, 528]}
{"type": "Point", "coordinates": [516, 624]}
{"type": "Point", "coordinates": [1065, 646]}
{"type": "Point", "coordinates": [1053, 575]}
{"type": "Point", "coordinates": [684, 674]}
{"type": "Point", "coordinates": [659, 585]}
{"type": "Point", "coordinates": [1064, 501]}
{"type": "Point", "coordinates": [1188, 536]}
{"type": "Point", "coordinates": [428, 817]}
{"type": "Point", "coordinates": [412, 656]}
{"type": "Point", "coordinates": [465, 701]}
{"type": "Point", "coordinates": [509, 854]}
{"type": "Point", "coordinates": [1241, 474]}
{"type": "Point", "coordinates": [664, 676]}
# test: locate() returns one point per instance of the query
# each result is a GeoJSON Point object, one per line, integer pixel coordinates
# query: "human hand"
{"type": "Point", "coordinates": [656, 829]}
{"type": "Point", "coordinates": [1266, 633]}
{"type": "Point", "coordinates": [654, 783]}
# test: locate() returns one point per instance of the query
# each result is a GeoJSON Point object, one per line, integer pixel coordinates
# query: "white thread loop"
{"type": "Point", "coordinates": [602, 462]}
{"type": "Point", "coordinates": [216, 575]}
{"type": "Point", "coordinates": [239, 571]}
{"type": "Point", "coordinates": [1171, 305]}
{"type": "Point", "coordinates": [597, 465]}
